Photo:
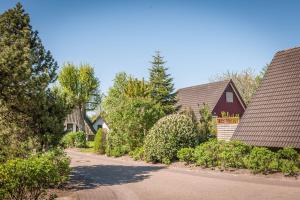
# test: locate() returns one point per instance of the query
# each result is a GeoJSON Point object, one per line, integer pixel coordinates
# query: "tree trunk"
{"type": "Point", "coordinates": [82, 116]}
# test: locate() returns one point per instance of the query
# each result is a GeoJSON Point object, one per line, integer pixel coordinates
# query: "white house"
{"type": "Point", "coordinates": [99, 122]}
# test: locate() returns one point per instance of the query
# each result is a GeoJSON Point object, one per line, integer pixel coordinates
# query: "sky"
{"type": "Point", "coordinates": [198, 39]}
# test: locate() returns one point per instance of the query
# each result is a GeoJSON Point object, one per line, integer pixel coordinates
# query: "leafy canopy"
{"type": "Point", "coordinates": [80, 85]}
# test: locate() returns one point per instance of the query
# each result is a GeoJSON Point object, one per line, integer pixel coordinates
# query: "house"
{"type": "Point", "coordinates": [99, 122]}
{"type": "Point", "coordinates": [272, 118]}
{"type": "Point", "coordinates": [72, 123]}
{"type": "Point", "coordinates": [220, 96]}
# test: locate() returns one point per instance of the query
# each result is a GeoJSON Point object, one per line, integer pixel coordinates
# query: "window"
{"type": "Point", "coordinates": [69, 127]}
{"type": "Point", "coordinates": [229, 97]}
{"type": "Point", "coordinates": [99, 126]}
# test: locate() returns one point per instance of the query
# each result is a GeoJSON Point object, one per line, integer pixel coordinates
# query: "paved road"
{"type": "Point", "coordinates": [99, 177]}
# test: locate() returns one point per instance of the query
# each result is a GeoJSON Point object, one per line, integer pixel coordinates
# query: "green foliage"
{"type": "Point", "coordinates": [232, 154]}
{"type": "Point", "coordinates": [74, 139]}
{"type": "Point", "coordinates": [130, 113]}
{"type": "Point", "coordinates": [81, 87]}
{"type": "Point", "coordinates": [28, 179]}
{"type": "Point", "coordinates": [162, 87]}
{"type": "Point", "coordinates": [186, 155]}
{"type": "Point", "coordinates": [167, 136]}
{"type": "Point", "coordinates": [288, 161]}
{"type": "Point", "coordinates": [99, 141]}
{"type": "Point", "coordinates": [207, 154]}
{"type": "Point", "coordinates": [138, 153]}
{"type": "Point", "coordinates": [207, 127]}
{"type": "Point", "coordinates": [29, 111]}
{"type": "Point", "coordinates": [262, 160]}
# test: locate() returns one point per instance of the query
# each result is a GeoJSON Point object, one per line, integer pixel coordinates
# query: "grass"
{"type": "Point", "coordinates": [89, 147]}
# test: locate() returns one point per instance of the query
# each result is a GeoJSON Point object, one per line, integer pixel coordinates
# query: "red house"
{"type": "Point", "coordinates": [220, 96]}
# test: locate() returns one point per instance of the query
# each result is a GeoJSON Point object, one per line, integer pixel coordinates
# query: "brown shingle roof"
{"type": "Point", "coordinates": [273, 117]}
{"type": "Point", "coordinates": [195, 96]}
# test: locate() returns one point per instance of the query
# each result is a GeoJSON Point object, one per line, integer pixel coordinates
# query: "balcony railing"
{"type": "Point", "coordinates": [228, 120]}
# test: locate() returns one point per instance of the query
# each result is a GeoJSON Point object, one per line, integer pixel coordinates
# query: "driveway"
{"type": "Point", "coordinates": [100, 177]}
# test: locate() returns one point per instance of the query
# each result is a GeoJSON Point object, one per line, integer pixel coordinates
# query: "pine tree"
{"type": "Point", "coordinates": [162, 87]}
{"type": "Point", "coordinates": [26, 70]}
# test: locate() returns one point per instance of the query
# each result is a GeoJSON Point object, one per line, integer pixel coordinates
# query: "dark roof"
{"type": "Point", "coordinates": [193, 97]}
{"type": "Point", "coordinates": [273, 117]}
{"type": "Point", "coordinates": [89, 123]}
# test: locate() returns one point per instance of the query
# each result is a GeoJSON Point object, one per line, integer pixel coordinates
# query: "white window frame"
{"type": "Point", "coordinates": [229, 97]}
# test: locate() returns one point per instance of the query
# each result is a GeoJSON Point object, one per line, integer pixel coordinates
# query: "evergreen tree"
{"type": "Point", "coordinates": [162, 87]}
{"type": "Point", "coordinates": [26, 70]}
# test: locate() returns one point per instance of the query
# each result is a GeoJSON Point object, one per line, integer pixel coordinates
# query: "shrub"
{"type": "Point", "coordinates": [288, 167]}
{"type": "Point", "coordinates": [186, 155]}
{"type": "Point", "coordinates": [137, 154]}
{"type": "Point", "coordinates": [74, 139]}
{"type": "Point", "coordinates": [207, 154]}
{"type": "Point", "coordinates": [29, 178]}
{"type": "Point", "coordinates": [99, 141]}
{"type": "Point", "coordinates": [262, 160]}
{"type": "Point", "coordinates": [167, 136]}
{"type": "Point", "coordinates": [288, 161]}
{"type": "Point", "coordinates": [232, 154]}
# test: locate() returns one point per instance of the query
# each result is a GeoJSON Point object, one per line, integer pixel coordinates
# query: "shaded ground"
{"type": "Point", "coordinates": [99, 177]}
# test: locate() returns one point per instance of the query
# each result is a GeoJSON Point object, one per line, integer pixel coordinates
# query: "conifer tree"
{"type": "Point", "coordinates": [161, 83]}
{"type": "Point", "coordinates": [26, 70]}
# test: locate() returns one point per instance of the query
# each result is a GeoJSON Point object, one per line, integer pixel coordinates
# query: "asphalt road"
{"type": "Point", "coordinates": [99, 177]}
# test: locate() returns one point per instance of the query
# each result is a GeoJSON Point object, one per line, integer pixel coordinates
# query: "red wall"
{"type": "Point", "coordinates": [233, 108]}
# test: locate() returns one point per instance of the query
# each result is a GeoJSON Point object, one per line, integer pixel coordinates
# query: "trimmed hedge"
{"type": "Point", "coordinates": [30, 178]}
{"type": "Point", "coordinates": [167, 136]}
{"type": "Point", "coordinates": [74, 139]}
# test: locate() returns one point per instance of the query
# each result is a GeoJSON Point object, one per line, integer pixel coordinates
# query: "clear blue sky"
{"type": "Point", "coordinates": [197, 38]}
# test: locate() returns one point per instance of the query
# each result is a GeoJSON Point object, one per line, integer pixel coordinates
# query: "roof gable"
{"type": "Point", "coordinates": [273, 115]}
{"type": "Point", "coordinates": [210, 94]}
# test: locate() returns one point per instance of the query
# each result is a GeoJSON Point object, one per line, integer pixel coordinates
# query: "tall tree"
{"type": "Point", "coordinates": [162, 87]}
{"type": "Point", "coordinates": [246, 82]}
{"type": "Point", "coordinates": [26, 70]}
{"type": "Point", "coordinates": [81, 87]}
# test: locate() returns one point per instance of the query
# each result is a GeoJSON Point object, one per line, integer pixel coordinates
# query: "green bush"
{"type": "Point", "coordinates": [74, 139]}
{"type": "Point", "coordinates": [186, 155]}
{"type": "Point", "coordinates": [99, 141]}
{"type": "Point", "coordinates": [207, 154]}
{"type": "Point", "coordinates": [288, 161]}
{"type": "Point", "coordinates": [137, 154]}
{"type": "Point", "coordinates": [262, 160]}
{"type": "Point", "coordinates": [167, 136]}
{"type": "Point", "coordinates": [232, 154]}
{"type": "Point", "coordinates": [30, 178]}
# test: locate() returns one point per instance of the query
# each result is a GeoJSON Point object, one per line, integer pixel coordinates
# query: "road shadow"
{"type": "Point", "coordinates": [89, 177]}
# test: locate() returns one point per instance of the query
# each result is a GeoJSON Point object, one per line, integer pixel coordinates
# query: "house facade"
{"type": "Point", "coordinates": [99, 122]}
{"type": "Point", "coordinates": [272, 118]}
{"type": "Point", "coordinates": [72, 123]}
{"type": "Point", "coordinates": [221, 96]}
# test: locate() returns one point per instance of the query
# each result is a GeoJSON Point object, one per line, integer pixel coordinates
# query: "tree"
{"type": "Point", "coordinates": [162, 88]}
{"type": "Point", "coordinates": [130, 113]}
{"type": "Point", "coordinates": [246, 82]}
{"type": "Point", "coordinates": [81, 88]}
{"type": "Point", "coordinates": [207, 127]}
{"type": "Point", "coordinates": [26, 71]}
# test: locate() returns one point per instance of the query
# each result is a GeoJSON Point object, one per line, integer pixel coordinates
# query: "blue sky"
{"type": "Point", "coordinates": [199, 39]}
